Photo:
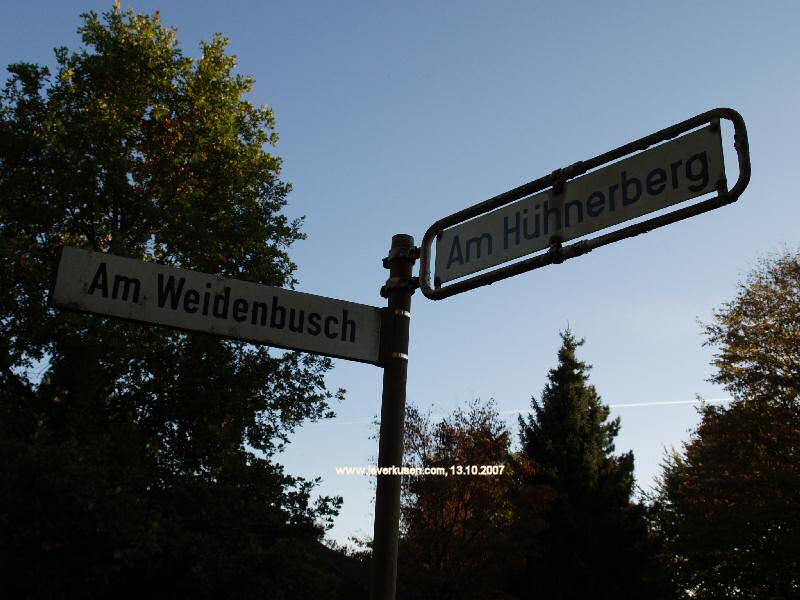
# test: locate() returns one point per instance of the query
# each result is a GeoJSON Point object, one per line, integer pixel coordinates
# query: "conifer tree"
{"type": "Point", "coordinates": [596, 543]}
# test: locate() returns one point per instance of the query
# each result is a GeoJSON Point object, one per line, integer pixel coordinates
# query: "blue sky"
{"type": "Point", "coordinates": [393, 115]}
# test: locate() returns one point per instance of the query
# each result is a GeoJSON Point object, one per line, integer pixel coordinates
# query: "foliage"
{"type": "Point", "coordinates": [569, 434]}
{"type": "Point", "coordinates": [758, 334]}
{"type": "Point", "coordinates": [731, 507]}
{"type": "Point", "coordinates": [128, 462]}
{"type": "Point", "coordinates": [458, 530]}
{"type": "Point", "coordinates": [596, 539]}
{"type": "Point", "coordinates": [729, 503]}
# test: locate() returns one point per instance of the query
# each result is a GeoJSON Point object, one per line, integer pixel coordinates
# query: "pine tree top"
{"type": "Point", "coordinates": [569, 434]}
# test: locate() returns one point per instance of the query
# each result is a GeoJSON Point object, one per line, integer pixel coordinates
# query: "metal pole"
{"type": "Point", "coordinates": [398, 290]}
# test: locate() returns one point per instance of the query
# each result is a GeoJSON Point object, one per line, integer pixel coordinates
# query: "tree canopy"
{"type": "Point", "coordinates": [459, 528]}
{"type": "Point", "coordinates": [729, 502]}
{"type": "Point", "coordinates": [558, 522]}
{"type": "Point", "coordinates": [731, 509]}
{"type": "Point", "coordinates": [757, 334]}
{"type": "Point", "coordinates": [136, 458]}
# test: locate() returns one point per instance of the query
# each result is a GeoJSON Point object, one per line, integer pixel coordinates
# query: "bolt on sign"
{"type": "Point", "coordinates": [132, 289]}
{"type": "Point", "coordinates": [571, 203]}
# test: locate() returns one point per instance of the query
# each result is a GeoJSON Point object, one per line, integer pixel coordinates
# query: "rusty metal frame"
{"type": "Point", "coordinates": [557, 253]}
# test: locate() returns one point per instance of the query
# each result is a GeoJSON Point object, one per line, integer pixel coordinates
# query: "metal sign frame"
{"type": "Point", "coordinates": [558, 253]}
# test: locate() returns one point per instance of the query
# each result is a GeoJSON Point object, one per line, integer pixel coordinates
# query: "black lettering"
{"type": "Point", "coordinates": [579, 205]}
{"type": "Point", "coordinates": [656, 181]}
{"type": "Point", "coordinates": [455, 253]}
{"type": "Point", "coordinates": [221, 312]}
{"type": "Point", "coordinates": [190, 301]}
{"type": "Point", "coordinates": [595, 204]}
{"type": "Point", "coordinates": [525, 233]}
{"type": "Point", "coordinates": [507, 231]}
{"type": "Point", "coordinates": [168, 292]}
{"type": "Point", "coordinates": [206, 299]}
{"type": "Point", "coordinates": [127, 283]}
{"type": "Point", "coordinates": [240, 310]}
{"type": "Point", "coordinates": [554, 212]}
{"type": "Point", "coordinates": [278, 319]}
{"type": "Point", "coordinates": [628, 199]}
{"type": "Point", "coordinates": [259, 308]}
{"type": "Point", "coordinates": [701, 178]}
{"type": "Point", "coordinates": [675, 166]}
{"type": "Point", "coordinates": [476, 241]}
{"type": "Point", "coordinates": [100, 280]}
{"type": "Point", "coordinates": [348, 324]}
{"type": "Point", "coordinates": [331, 334]}
{"type": "Point", "coordinates": [314, 326]}
{"type": "Point", "coordinates": [296, 327]}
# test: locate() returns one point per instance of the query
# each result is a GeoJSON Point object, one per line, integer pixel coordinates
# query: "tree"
{"type": "Point", "coordinates": [731, 509]}
{"type": "Point", "coordinates": [139, 461]}
{"type": "Point", "coordinates": [757, 334]}
{"type": "Point", "coordinates": [596, 539]}
{"type": "Point", "coordinates": [729, 504]}
{"type": "Point", "coordinates": [458, 529]}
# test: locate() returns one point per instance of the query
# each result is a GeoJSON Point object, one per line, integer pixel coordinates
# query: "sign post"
{"type": "Point", "coordinates": [398, 290]}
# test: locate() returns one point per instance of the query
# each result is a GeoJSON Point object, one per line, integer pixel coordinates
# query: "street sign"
{"type": "Point", "coordinates": [581, 201]}
{"type": "Point", "coordinates": [684, 168]}
{"type": "Point", "coordinates": [132, 289]}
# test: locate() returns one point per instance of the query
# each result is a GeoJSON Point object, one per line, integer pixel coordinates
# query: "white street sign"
{"type": "Point", "coordinates": [678, 170]}
{"type": "Point", "coordinates": [150, 293]}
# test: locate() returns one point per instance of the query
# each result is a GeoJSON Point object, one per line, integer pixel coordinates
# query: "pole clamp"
{"type": "Point", "coordinates": [399, 283]}
{"type": "Point", "coordinates": [412, 253]}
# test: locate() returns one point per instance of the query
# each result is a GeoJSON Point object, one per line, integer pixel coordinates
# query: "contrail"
{"type": "Point", "coordinates": [638, 404]}
{"type": "Point", "coordinates": [516, 411]}
{"type": "Point", "coordinates": [671, 402]}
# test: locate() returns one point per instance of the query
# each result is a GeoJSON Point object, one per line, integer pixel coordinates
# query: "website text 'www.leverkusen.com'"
{"type": "Point", "coordinates": [417, 471]}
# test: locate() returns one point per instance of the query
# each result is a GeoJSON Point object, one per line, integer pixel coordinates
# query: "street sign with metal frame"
{"type": "Point", "coordinates": [527, 219]}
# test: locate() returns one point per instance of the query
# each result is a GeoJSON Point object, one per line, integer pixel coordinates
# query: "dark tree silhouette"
{"type": "Point", "coordinates": [127, 452]}
{"type": "Point", "coordinates": [596, 540]}
{"type": "Point", "coordinates": [459, 531]}
{"type": "Point", "coordinates": [729, 505]}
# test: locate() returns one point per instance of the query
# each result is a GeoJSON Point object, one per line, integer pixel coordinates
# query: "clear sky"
{"type": "Point", "coordinates": [393, 115]}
